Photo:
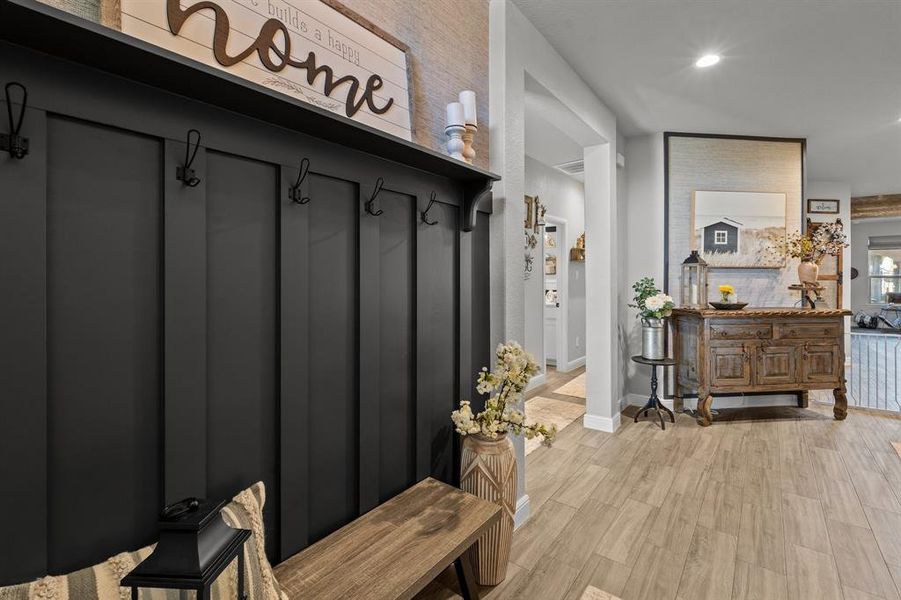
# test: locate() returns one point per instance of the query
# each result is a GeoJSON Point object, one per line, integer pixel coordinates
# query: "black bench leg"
{"type": "Point", "coordinates": [468, 588]}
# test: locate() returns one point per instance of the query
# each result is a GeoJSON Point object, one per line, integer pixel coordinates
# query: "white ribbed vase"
{"type": "Point", "coordinates": [488, 470]}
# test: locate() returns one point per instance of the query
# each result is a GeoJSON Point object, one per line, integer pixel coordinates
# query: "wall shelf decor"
{"type": "Point", "coordinates": [577, 253]}
{"type": "Point", "coordinates": [34, 25]}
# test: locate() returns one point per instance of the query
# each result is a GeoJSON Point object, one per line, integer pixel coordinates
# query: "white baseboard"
{"type": "Point", "coordinates": [639, 400]}
{"type": "Point", "coordinates": [608, 424]}
{"type": "Point", "coordinates": [572, 365]}
{"type": "Point", "coordinates": [536, 381]}
{"type": "Point", "coordinates": [523, 511]}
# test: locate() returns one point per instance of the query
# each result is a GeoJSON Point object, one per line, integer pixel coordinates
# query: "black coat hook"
{"type": "Point", "coordinates": [425, 214]}
{"type": "Point", "coordinates": [12, 142]}
{"type": "Point", "coordinates": [294, 192]}
{"type": "Point", "coordinates": [185, 173]}
{"type": "Point", "coordinates": [378, 188]}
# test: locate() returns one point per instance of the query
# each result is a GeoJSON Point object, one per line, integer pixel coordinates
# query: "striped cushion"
{"type": "Point", "coordinates": [101, 582]}
{"type": "Point", "coordinates": [245, 511]}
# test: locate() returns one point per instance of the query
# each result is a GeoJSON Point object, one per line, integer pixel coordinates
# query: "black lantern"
{"type": "Point", "coordinates": [694, 281]}
{"type": "Point", "coordinates": [195, 547]}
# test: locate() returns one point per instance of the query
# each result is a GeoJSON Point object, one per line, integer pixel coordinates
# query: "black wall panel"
{"type": "Point", "coordinates": [438, 364]}
{"type": "Point", "coordinates": [396, 355]}
{"type": "Point", "coordinates": [242, 343]}
{"type": "Point", "coordinates": [103, 289]}
{"type": "Point", "coordinates": [23, 364]}
{"type": "Point", "coordinates": [332, 351]}
{"type": "Point", "coordinates": [162, 341]}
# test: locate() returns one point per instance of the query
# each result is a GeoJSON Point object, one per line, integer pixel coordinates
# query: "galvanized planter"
{"type": "Point", "coordinates": [652, 342]}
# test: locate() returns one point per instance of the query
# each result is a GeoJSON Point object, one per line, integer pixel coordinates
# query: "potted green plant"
{"type": "Point", "coordinates": [653, 308]}
{"type": "Point", "coordinates": [488, 463]}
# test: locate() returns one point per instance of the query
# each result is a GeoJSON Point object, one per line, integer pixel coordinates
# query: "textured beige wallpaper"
{"type": "Point", "coordinates": [733, 165]}
{"type": "Point", "coordinates": [448, 42]}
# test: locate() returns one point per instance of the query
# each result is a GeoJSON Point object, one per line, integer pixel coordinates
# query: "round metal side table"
{"type": "Point", "coordinates": [654, 402]}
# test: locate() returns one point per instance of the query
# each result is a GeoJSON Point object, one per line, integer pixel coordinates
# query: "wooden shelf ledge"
{"type": "Point", "coordinates": [34, 25]}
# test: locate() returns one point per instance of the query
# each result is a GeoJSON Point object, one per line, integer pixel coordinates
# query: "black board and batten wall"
{"type": "Point", "coordinates": [163, 341]}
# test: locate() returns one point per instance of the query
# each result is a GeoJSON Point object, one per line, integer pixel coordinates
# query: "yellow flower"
{"type": "Point", "coordinates": [727, 289]}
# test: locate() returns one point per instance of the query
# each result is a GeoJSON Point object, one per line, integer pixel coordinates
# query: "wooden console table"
{"type": "Point", "coordinates": [759, 350]}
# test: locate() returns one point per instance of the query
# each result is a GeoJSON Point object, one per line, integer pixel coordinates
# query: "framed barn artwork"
{"type": "Point", "coordinates": [734, 229]}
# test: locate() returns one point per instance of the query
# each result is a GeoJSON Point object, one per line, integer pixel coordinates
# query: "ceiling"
{"type": "Point", "coordinates": [553, 134]}
{"type": "Point", "coordinates": [827, 70]}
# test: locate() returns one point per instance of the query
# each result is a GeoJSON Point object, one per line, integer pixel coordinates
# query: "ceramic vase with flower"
{"type": "Point", "coordinates": [487, 463]}
{"type": "Point", "coordinates": [811, 247]}
{"type": "Point", "coordinates": [808, 271]}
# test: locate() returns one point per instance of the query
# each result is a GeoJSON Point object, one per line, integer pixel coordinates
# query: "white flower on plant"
{"type": "Point", "coordinates": [658, 301]}
{"type": "Point", "coordinates": [654, 302]}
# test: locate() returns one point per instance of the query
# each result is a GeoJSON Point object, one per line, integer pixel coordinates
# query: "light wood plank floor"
{"type": "Point", "coordinates": [768, 503]}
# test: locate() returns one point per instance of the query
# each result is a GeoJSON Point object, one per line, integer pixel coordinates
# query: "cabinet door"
{"type": "Point", "coordinates": [821, 363]}
{"type": "Point", "coordinates": [776, 364]}
{"type": "Point", "coordinates": [729, 366]}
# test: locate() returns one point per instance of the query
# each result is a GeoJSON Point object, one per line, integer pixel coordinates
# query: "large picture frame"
{"type": "Point", "coordinates": [734, 230]}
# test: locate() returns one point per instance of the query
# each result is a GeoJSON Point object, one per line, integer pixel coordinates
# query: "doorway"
{"type": "Point", "coordinates": [555, 300]}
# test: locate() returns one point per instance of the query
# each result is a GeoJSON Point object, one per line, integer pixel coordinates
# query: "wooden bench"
{"type": "Point", "coordinates": [395, 550]}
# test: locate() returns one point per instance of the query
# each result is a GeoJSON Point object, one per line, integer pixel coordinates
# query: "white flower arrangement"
{"type": "Point", "coordinates": [513, 368]}
{"type": "Point", "coordinates": [650, 301]}
{"type": "Point", "coordinates": [658, 303]}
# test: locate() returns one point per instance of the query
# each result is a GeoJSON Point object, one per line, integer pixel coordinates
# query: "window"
{"type": "Point", "coordinates": [884, 257]}
{"type": "Point", "coordinates": [720, 237]}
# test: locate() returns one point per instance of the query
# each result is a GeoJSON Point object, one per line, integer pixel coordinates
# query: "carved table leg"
{"type": "Point", "coordinates": [803, 399]}
{"type": "Point", "coordinates": [841, 402]}
{"type": "Point", "coordinates": [705, 401]}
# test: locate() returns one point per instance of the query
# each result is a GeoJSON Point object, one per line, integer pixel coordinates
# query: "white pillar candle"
{"type": "Point", "coordinates": [455, 114]}
{"type": "Point", "coordinates": [468, 100]}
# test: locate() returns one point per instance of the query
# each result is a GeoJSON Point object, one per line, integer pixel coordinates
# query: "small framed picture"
{"type": "Point", "coordinates": [822, 207]}
{"type": "Point", "coordinates": [529, 223]}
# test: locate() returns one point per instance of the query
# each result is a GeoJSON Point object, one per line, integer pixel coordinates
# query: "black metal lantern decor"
{"type": "Point", "coordinates": [694, 281]}
{"type": "Point", "coordinates": [194, 548]}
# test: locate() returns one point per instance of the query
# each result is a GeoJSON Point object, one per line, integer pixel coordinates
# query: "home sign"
{"type": "Point", "coordinates": [316, 51]}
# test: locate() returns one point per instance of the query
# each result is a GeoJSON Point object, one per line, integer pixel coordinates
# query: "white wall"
{"type": "Point", "coordinates": [563, 195]}
{"type": "Point", "coordinates": [516, 48]}
{"type": "Point", "coordinates": [565, 199]}
{"type": "Point", "coordinates": [644, 247]}
{"type": "Point", "coordinates": [623, 285]}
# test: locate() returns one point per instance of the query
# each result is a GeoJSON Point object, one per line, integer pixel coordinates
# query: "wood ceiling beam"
{"type": "Point", "coordinates": [871, 207]}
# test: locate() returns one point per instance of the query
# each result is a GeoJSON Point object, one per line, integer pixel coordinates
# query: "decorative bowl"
{"type": "Point", "coordinates": [728, 305]}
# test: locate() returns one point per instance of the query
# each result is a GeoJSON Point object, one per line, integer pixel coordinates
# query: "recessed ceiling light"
{"type": "Point", "coordinates": [708, 60]}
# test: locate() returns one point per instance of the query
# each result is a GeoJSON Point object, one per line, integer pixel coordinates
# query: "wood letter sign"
{"type": "Point", "coordinates": [315, 51]}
